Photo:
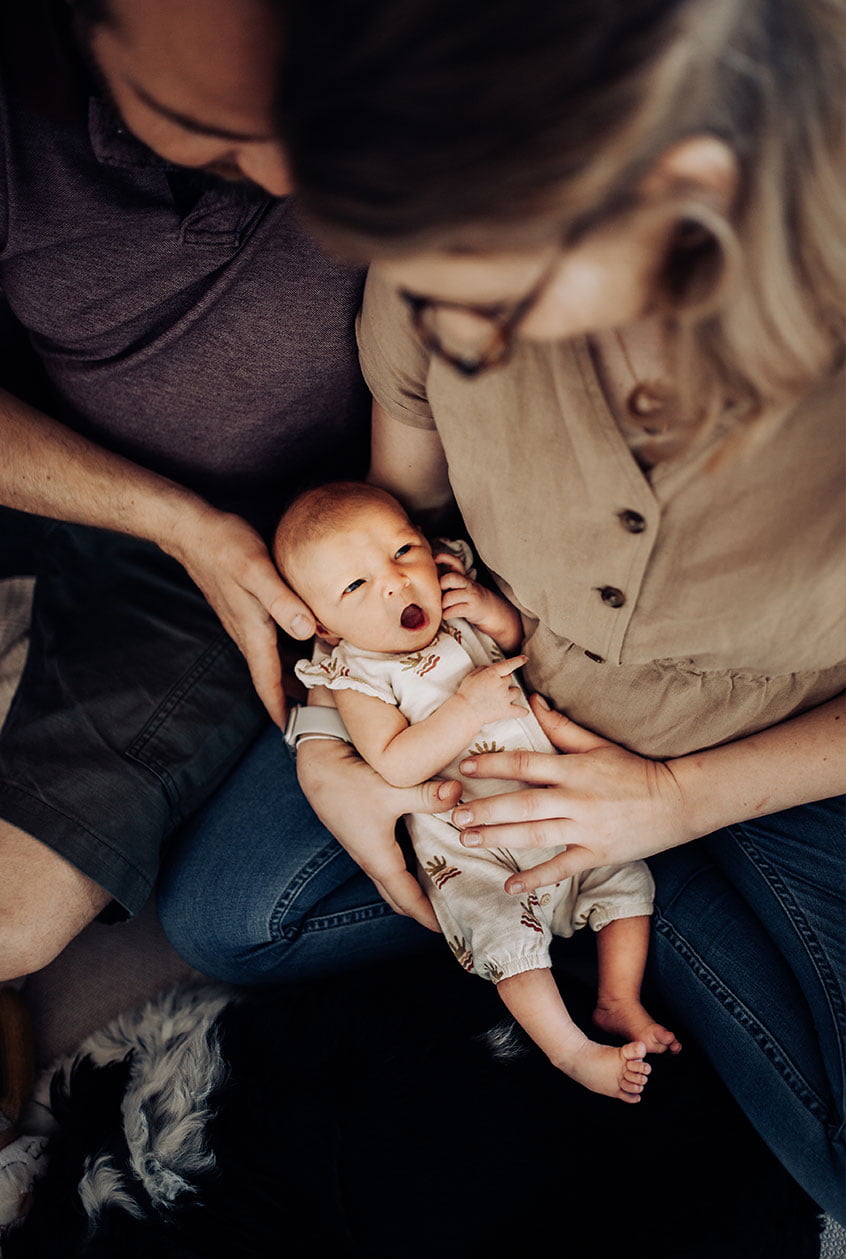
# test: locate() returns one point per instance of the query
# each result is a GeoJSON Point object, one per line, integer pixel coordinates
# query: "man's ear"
{"type": "Point", "coordinates": [701, 166]}
{"type": "Point", "coordinates": [328, 637]}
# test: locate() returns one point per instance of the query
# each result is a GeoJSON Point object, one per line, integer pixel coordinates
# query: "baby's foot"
{"type": "Point", "coordinates": [619, 1073]}
{"type": "Point", "coordinates": [628, 1018]}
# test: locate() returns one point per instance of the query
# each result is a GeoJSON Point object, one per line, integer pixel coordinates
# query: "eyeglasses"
{"type": "Point", "coordinates": [491, 329]}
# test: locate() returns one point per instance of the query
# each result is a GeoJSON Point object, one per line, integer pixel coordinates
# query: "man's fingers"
{"type": "Point", "coordinates": [291, 614]}
{"type": "Point", "coordinates": [505, 667]}
{"type": "Point", "coordinates": [286, 608]}
{"type": "Point", "coordinates": [266, 672]}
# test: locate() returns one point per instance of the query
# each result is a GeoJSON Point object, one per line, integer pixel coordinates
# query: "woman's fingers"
{"type": "Point", "coordinates": [405, 896]}
{"type": "Point", "coordinates": [562, 732]}
{"type": "Point", "coordinates": [563, 866]}
{"type": "Point", "coordinates": [543, 768]}
{"type": "Point", "coordinates": [520, 808]}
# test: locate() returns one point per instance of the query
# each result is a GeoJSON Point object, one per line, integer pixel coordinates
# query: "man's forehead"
{"type": "Point", "coordinates": [212, 61]}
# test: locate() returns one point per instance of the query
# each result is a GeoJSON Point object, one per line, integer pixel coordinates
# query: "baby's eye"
{"type": "Point", "coordinates": [403, 550]}
{"type": "Point", "coordinates": [354, 585]}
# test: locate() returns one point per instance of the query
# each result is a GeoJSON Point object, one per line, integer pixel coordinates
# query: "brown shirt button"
{"type": "Point", "coordinates": [611, 596]}
{"type": "Point", "coordinates": [633, 521]}
{"type": "Point", "coordinates": [591, 655]}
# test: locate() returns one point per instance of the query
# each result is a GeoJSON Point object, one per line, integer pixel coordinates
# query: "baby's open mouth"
{"type": "Point", "coordinates": [413, 617]}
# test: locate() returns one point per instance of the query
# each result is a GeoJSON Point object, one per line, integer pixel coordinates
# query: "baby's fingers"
{"type": "Point", "coordinates": [506, 667]}
{"type": "Point", "coordinates": [444, 559]}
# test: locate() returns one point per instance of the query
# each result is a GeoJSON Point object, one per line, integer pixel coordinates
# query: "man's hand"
{"type": "Point", "coordinates": [361, 810]}
{"type": "Point", "coordinates": [231, 565]}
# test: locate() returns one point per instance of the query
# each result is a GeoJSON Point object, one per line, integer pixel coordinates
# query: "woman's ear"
{"type": "Point", "coordinates": [701, 166]}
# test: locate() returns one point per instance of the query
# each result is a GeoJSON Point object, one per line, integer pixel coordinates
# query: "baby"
{"type": "Point", "coordinates": [418, 667]}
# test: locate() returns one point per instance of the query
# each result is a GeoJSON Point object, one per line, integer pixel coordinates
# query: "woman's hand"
{"type": "Point", "coordinates": [361, 810]}
{"type": "Point", "coordinates": [606, 804]}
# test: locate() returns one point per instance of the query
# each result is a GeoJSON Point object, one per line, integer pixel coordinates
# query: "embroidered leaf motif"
{"type": "Point", "coordinates": [453, 630]}
{"type": "Point", "coordinates": [439, 872]}
{"type": "Point", "coordinates": [529, 918]}
{"type": "Point", "coordinates": [506, 859]}
{"type": "Point", "coordinates": [484, 745]}
{"type": "Point", "coordinates": [461, 953]}
{"type": "Point", "coordinates": [420, 664]}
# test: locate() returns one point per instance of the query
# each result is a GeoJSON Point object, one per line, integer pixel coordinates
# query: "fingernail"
{"type": "Point", "coordinates": [301, 626]}
{"type": "Point", "coordinates": [468, 767]}
{"type": "Point", "coordinates": [471, 839]}
{"type": "Point", "coordinates": [443, 790]}
{"type": "Point", "coordinates": [515, 887]}
{"type": "Point", "coordinates": [462, 816]}
{"type": "Point", "coordinates": [542, 700]}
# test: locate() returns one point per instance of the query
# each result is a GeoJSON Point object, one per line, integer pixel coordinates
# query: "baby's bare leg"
{"type": "Point", "coordinates": [621, 951]}
{"type": "Point", "coordinates": [534, 1000]}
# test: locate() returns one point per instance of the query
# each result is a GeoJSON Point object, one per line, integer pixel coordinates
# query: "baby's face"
{"type": "Point", "coordinates": [374, 583]}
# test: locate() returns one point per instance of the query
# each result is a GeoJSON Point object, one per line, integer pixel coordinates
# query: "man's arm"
{"type": "Point", "coordinates": [48, 469]}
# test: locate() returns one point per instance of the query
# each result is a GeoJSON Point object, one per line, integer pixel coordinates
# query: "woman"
{"type": "Point", "coordinates": [607, 316]}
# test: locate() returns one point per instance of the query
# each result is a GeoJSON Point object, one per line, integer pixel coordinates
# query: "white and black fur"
{"type": "Point", "coordinates": [373, 1116]}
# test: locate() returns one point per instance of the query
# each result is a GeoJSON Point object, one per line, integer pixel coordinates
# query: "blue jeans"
{"type": "Point", "coordinates": [747, 945]}
{"type": "Point", "coordinates": [257, 891]}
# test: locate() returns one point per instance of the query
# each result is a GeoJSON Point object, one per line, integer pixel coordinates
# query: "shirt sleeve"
{"type": "Point", "coordinates": [344, 670]}
{"type": "Point", "coordinates": [393, 361]}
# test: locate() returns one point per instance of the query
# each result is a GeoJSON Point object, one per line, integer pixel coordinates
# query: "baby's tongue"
{"type": "Point", "coordinates": [412, 617]}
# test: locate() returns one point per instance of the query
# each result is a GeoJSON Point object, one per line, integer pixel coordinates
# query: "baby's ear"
{"type": "Point", "coordinates": [328, 637]}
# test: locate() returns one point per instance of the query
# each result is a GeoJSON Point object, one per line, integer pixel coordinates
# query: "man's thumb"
{"type": "Point", "coordinates": [561, 731]}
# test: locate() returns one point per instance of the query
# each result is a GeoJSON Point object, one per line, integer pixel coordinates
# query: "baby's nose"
{"type": "Point", "coordinates": [395, 583]}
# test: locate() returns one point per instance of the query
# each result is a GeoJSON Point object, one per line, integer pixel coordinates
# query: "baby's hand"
{"type": "Point", "coordinates": [461, 595]}
{"type": "Point", "coordinates": [491, 693]}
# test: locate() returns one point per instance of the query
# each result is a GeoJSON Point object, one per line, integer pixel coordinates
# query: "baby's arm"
{"type": "Point", "coordinates": [407, 754]}
{"type": "Point", "coordinates": [487, 610]}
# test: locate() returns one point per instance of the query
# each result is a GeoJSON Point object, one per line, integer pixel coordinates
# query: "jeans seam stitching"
{"type": "Point", "coordinates": [331, 852]}
{"type": "Point", "coordinates": [786, 1069]}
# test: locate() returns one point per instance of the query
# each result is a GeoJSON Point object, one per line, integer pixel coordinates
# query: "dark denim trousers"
{"type": "Point", "coordinates": [747, 947]}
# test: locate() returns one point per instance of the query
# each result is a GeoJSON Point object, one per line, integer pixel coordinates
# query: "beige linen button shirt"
{"type": "Point", "coordinates": [669, 612]}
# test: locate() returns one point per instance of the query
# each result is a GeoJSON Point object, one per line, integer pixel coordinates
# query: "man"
{"type": "Point", "coordinates": [195, 365]}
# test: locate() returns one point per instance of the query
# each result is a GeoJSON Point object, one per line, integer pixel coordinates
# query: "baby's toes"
{"type": "Point", "coordinates": [634, 1075]}
{"type": "Point", "coordinates": [664, 1039]}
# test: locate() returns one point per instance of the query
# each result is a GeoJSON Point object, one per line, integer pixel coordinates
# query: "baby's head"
{"type": "Point", "coordinates": [368, 575]}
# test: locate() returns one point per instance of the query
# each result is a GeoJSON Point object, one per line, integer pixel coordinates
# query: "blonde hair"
{"type": "Point", "coordinates": [501, 122]}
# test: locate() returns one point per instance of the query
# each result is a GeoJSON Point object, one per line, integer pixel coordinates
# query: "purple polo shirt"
{"type": "Point", "coordinates": [186, 323]}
